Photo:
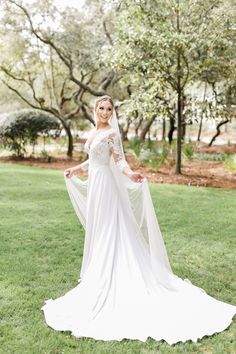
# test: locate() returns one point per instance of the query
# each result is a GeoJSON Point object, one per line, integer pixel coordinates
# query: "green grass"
{"type": "Point", "coordinates": [41, 245]}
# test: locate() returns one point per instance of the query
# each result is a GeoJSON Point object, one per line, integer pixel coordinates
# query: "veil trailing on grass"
{"type": "Point", "coordinates": [139, 208]}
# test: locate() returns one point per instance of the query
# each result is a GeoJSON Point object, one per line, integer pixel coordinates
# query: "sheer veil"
{"type": "Point", "coordinates": [139, 207]}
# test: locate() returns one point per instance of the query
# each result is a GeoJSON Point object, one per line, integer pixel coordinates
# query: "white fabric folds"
{"type": "Point", "coordinates": [127, 288]}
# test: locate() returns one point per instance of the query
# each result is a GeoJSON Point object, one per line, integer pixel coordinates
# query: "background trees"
{"type": "Point", "coordinates": [169, 61]}
{"type": "Point", "coordinates": [54, 60]}
{"type": "Point", "coordinates": [167, 46]}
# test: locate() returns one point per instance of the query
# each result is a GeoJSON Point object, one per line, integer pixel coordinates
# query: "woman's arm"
{"type": "Point", "coordinates": [78, 168]}
{"type": "Point", "coordinates": [84, 166]}
{"type": "Point", "coordinates": [119, 158]}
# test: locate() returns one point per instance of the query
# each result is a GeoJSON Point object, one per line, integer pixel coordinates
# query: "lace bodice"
{"type": "Point", "coordinates": [101, 146]}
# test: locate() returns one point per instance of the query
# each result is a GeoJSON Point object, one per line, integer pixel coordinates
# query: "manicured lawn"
{"type": "Point", "coordinates": [41, 245]}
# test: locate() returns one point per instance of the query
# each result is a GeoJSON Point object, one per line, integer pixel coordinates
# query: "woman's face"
{"type": "Point", "coordinates": [104, 111]}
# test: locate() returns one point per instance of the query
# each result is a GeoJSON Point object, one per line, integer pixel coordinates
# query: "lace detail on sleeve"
{"type": "Point", "coordinates": [84, 165]}
{"type": "Point", "coordinates": [117, 151]}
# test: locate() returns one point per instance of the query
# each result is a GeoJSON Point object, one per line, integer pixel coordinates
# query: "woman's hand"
{"type": "Point", "coordinates": [70, 171]}
{"type": "Point", "coordinates": [136, 177]}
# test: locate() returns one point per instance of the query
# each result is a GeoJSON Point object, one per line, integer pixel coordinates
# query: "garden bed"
{"type": "Point", "coordinates": [194, 172]}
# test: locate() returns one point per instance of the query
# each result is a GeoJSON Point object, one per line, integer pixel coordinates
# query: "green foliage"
{"type": "Point", "coordinates": [135, 145]}
{"type": "Point", "coordinates": [188, 151]}
{"type": "Point", "coordinates": [25, 126]}
{"type": "Point", "coordinates": [62, 141]}
{"type": "Point", "coordinates": [149, 36]}
{"type": "Point", "coordinates": [43, 260]}
{"type": "Point", "coordinates": [149, 153]}
{"type": "Point", "coordinates": [155, 158]}
{"type": "Point", "coordinates": [210, 157]}
{"type": "Point", "coordinates": [154, 155]}
{"type": "Point", "coordinates": [46, 157]}
{"type": "Point", "coordinates": [230, 163]}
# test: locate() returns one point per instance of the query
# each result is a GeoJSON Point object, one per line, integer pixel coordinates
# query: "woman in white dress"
{"type": "Point", "coordinates": [127, 288]}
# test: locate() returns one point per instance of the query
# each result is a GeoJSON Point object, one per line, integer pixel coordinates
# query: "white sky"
{"type": "Point", "coordinates": [63, 3]}
{"type": "Point", "coordinates": [71, 3]}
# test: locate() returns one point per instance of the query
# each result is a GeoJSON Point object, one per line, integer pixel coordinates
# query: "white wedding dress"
{"type": "Point", "coordinates": [126, 287]}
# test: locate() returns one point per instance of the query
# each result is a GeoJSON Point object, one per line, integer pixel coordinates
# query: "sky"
{"type": "Point", "coordinates": [62, 3]}
{"type": "Point", "coordinates": [73, 3]}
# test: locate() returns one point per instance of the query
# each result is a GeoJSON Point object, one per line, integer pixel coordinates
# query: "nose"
{"type": "Point", "coordinates": [104, 114]}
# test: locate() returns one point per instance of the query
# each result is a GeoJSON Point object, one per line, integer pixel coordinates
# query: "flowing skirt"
{"type": "Point", "coordinates": [118, 296]}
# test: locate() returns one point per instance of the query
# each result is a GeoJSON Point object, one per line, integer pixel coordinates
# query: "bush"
{"type": "Point", "coordinates": [135, 145]}
{"type": "Point", "coordinates": [46, 157]}
{"type": "Point", "coordinates": [25, 126]}
{"type": "Point", "coordinates": [155, 155]}
{"type": "Point", "coordinates": [188, 151]}
{"type": "Point", "coordinates": [230, 162]}
{"type": "Point", "coordinates": [210, 157]}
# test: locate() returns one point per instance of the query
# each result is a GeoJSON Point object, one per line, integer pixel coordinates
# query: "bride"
{"type": "Point", "coordinates": [127, 288]}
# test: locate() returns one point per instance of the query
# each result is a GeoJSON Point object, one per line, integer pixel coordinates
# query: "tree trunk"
{"type": "Point", "coordinates": [147, 127]}
{"type": "Point", "coordinates": [183, 129]}
{"type": "Point", "coordinates": [163, 129]}
{"type": "Point", "coordinates": [179, 132]}
{"type": "Point", "coordinates": [218, 131]}
{"type": "Point", "coordinates": [171, 129]}
{"type": "Point", "coordinates": [183, 125]}
{"type": "Point", "coordinates": [137, 124]}
{"type": "Point", "coordinates": [70, 140]}
{"type": "Point", "coordinates": [200, 128]}
{"type": "Point", "coordinates": [201, 119]}
{"type": "Point", "coordinates": [124, 132]}
{"type": "Point", "coordinates": [179, 103]}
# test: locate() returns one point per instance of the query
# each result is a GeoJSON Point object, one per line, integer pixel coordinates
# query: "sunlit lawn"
{"type": "Point", "coordinates": [41, 245]}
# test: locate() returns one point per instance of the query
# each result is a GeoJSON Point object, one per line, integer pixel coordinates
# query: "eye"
{"type": "Point", "coordinates": [109, 109]}
{"type": "Point", "coordinates": [101, 108]}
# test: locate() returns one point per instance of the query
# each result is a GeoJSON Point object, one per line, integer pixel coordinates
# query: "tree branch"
{"type": "Point", "coordinates": [65, 59]}
{"type": "Point", "coordinates": [107, 81]}
{"type": "Point", "coordinates": [107, 33]}
{"type": "Point", "coordinates": [86, 114]}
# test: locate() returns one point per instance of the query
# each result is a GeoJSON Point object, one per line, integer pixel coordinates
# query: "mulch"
{"type": "Point", "coordinates": [194, 172]}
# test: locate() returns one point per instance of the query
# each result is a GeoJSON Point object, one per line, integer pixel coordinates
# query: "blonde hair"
{"type": "Point", "coordinates": [104, 98]}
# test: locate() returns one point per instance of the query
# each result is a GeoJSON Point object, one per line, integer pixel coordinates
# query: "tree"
{"type": "Point", "coordinates": [54, 64]}
{"type": "Point", "coordinates": [159, 46]}
{"type": "Point", "coordinates": [225, 106]}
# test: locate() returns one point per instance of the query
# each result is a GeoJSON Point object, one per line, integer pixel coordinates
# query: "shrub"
{"type": "Point", "coordinates": [188, 151]}
{"type": "Point", "coordinates": [135, 145]}
{"type": "Point", "coordinates": [230, 162]}
{"type": "Point", "coordinates": [155, 155]}
{"type": "Point", "coordinates": [25, 126]}
{"type": "Point", "coordinates": [45, 156]}
{"type": "Point", "coordinates": [210, 157]}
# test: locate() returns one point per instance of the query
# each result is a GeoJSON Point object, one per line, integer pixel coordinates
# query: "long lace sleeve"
{"type": "Point", "coordinates": [118, 154]}
{"type": "Point", "coordinates": [85, 165]}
